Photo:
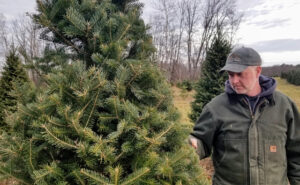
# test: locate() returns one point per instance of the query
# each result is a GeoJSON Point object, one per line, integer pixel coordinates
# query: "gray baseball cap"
{"type": "Point", "coordinates": [239, 59]}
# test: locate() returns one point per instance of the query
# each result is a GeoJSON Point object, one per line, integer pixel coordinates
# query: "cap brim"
{"type": "Point", "coordinates": [237, 68]}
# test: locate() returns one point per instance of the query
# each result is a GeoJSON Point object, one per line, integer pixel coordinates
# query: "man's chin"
{"type": "Point", "coordinates": [240, 91]}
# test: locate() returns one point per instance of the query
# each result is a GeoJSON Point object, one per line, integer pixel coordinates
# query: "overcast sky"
{"type": "Point", "coordinates": [272, 27]}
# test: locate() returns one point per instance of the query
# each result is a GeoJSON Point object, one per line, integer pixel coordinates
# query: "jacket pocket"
{"type": "Point", "coordinates": [231, 165]}
{"type": "Point", "coordinates": [275, 162]}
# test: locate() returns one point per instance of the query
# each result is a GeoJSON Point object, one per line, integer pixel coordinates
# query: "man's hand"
{"type": "Point", "coordinates": [193, 142]}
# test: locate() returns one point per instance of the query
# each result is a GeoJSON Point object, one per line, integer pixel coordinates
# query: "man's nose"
{"type": "Point", "coordinates": [234, 79]}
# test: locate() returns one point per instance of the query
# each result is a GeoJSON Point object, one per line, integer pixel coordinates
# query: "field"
{"type": "Point", "coordinates": [290, 90]}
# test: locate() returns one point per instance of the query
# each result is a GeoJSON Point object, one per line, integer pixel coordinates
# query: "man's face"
{"type": "Point", "coordinates": [245, 82]}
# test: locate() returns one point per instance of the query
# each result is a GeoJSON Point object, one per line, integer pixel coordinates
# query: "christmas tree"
{"type": "Point", "coordinates": [95, 26]}
{"type": "Point", "coordinates": [13, 75]}
{"type": "Point", "coordinates": [212, 81]}
{"type": "Point", "coordinates": [107, 119]}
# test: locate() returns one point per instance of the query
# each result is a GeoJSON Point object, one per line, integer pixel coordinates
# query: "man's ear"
{"type": "Point", "coordinates": [258, 70]}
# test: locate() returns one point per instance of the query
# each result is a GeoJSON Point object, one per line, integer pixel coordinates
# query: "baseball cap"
{"type": "Point", "coordinates": [239, 59]}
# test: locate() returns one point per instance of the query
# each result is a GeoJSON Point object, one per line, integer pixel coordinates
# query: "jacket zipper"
{"type": "Point", "coordinates": [256, 134]}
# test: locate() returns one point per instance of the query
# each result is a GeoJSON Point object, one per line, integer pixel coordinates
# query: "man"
{"type": "Point", "coordinates": [253, 130]}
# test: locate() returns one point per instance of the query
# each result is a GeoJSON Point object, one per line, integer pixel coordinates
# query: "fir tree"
{"type": "Point", "coordinates": [52, 58]}
{"type": "Point", "coordinates": [13, 75]}
{"type": "Point", "coordinates": [108, 120]}
{"type": "Point", "coordinates": [92, 26]}
{"type": "Point", "coordinates": [212, 81]}
{"type": "Point", "coordinates": [128, 5]}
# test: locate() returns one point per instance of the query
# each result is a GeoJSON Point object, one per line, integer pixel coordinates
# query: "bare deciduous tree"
{"type": "Point", "coordinates": [192, 8]}
{"type": "Point", "coordinates": [183, 31]}
{"type": "Point", "coordinates": [4, 36]}
{"type": "Point", "coordinates": [22, 34]}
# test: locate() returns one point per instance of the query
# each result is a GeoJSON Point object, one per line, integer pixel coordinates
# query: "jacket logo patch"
{"type": "Point", "coordinates": [273, 148]}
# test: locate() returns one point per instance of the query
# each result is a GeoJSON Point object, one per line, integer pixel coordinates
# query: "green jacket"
{"type": "Point", "coordinates": [251, 147]}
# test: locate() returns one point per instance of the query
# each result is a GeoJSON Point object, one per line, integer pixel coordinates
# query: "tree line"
{"type": "Point", "coordinates": [292, 76]}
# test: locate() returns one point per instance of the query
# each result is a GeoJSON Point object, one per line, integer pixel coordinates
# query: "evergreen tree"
{"type": "Point", "coordinates": [128, 5]}
{"type": "Point", "coordinates": [212, 81]}
{"type": "Point", "coordinates": [13, 75]}
{"type": "Point", "coordinates": [92, 26]}
{"type": "Point", "coordinates": [108, 120]}
{"type": "Point", "coordinates": [52, 58]}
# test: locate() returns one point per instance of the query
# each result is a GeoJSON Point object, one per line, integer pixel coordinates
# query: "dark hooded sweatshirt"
{"type": "Point", "coordinates": [268, 86]}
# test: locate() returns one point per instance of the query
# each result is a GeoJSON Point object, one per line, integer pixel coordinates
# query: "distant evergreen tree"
{"type": "Point", "coordinates": [128, 5]}
{"type": "Point", "coordinates": [52, 58]}
{"type": "Point", "coordinates": [13, 75]}
{"type": "Point", "coordinates": [292, 76]}
{"type": "Point", "coordinates": [108, 119]}
{"type": "Point", "coordinates": [211, 82]}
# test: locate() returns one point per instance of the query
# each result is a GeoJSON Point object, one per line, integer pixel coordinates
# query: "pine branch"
{"type": "Point", "coordinates": [59, 143]}
{"type": "Point", "coordinates": [75, 122]}
{"type": "Point", "coordinates": [124, 32]}
{"type": "Point", "coordinates": [30, 155]}
{"type": "Point", "coordinates": [7, 152]}
{"type": "Point", "coordinates": [132, 109]}
{"type": "Point", "coordinates": [40, 174]}
{"type": "Point", "coordinates": [76, 19]}
{"type": "Point", "coordinates": [91, 135]}
{"type": "Point", "coordinates": [121, 126]}
{"type": "Point", "coordinates": [95, 177]}
{"type": "Point", "coordinates": [135, 74]}
{"type": "Point", "coordinates": [50, 120]}
{"type": "Point", "coordinates": [177, 156]}
{"type": "Point", "coordinates": [115, 106]}
{"type": "Point", "coordinates": [155, 139]}
{"type": "Point", "coordinates": [135, 176]}
{"type": "Point", "coordinates": [97, 16]}
{"type": "Point", "coordinates": [78, 177]}
{"type": "Point", "coordinates": [92, 111]}
{"type": "Point", "coordinates": [115, 174]}
{"type": "Point", "coordinates": [52, 28]}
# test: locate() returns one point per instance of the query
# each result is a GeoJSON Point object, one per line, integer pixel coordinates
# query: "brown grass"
{"type": "Point", "coordinates": [290, 90]}
{"type": "Point", "coordinates": [8, 182]}
{"type": "Point", "coordinates": [182, 100]}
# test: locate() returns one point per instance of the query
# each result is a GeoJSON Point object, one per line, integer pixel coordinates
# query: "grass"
{"type": "Point", "coordinates": [290, 90]}
{"type": "Point", "coordinates": [182, 100]}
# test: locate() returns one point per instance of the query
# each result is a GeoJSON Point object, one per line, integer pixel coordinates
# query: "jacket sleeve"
{"type": "Point", "coordinates": [204, 131]}
{"type": "Point", "coordinates": [293, 146]}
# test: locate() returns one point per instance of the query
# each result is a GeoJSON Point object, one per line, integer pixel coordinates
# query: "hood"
{"type": "Point", "coordinates": [267, 84]}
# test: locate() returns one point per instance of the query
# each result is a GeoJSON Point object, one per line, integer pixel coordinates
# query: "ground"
{"type": "Point", "coordinates": [182, 100]}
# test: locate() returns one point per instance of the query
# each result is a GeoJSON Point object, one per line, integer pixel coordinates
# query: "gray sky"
{"type": "Point", "coordinates": [14, 8]}
{"type": "Point", "coordinates": [269, 26]}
